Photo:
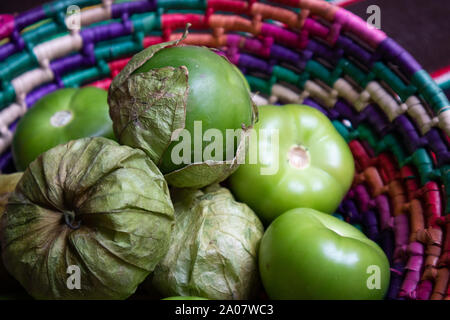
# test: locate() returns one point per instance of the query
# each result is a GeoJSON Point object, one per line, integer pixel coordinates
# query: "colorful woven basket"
{"type": "Point", "coordinates": [395, 118]}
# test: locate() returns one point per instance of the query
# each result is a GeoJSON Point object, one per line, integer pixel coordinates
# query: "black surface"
{"type": "Point", "coordinates": [421, 27]}
{"type": "Point", "coordinates": [14, 6]}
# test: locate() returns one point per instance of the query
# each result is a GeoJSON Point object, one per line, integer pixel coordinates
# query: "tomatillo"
{"type": "Point", "coordinates": [59, 117]}
{"type": "Point", "coordinates": [306, 254]}
{"type": "Point", "coordinates": [297, 159]}
{"type": "Point", "coordinates": [187, 108]}
{"type": "Point", "coordinates": [218, 95]}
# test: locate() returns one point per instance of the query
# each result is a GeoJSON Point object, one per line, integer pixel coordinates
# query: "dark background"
{"type": "Point", "coordinates": [421, 26]}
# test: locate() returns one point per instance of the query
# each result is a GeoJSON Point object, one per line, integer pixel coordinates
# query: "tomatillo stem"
{"type": "Point", "coordinates": [298, 157]}
{"type": "Point", "coordinates": [69, 217]}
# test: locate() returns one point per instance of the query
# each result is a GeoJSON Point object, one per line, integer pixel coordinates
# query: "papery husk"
{"type": "Point", "coordinates": [213, 251]}
{"type": "Point", "coordinates": [8, 183]}
{"type": "Point", "coordinates": [121, 205]}
{"type": "Point", "coordinates": [148, 110]}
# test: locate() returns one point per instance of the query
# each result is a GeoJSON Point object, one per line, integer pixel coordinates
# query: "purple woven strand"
{"type": "Point", "coordinates": [397, 271]}
{"type": "Point", "coordinates": [40, 92]}
{"type": "Point", "coordinates": [371, 224]}
{"type": "Point", "coordinates": [371, 114]}
{"type": "Point", "coordinates": [281, 53]}
{"type": "Point", "coordinates": [250, 62]}
{"type": "Point", "coordinates": [392, 51]}
{"type": "Point", "coordinates": [378, 120]}
{"type": "Point", "coordinates": [310, 102]}
{"type": "Point", "coordinates": [332, 55]}
{"type": "Point", "coordinates": [29, 17]}
{"type": "Point", "coordinates": [30, 100]}
{"type": "Point", "coordinates": [438, 145]}
{"type": "Point", "coordinates": [63, 65]}
{"type": "Point", "coordinates": [345, 111]}
{"type": "Point", "coordinates": [7, 49]}
{"type": "Point", "coordinates": [106, 32]}
{"type": "Point", "coordinates": [117, 9]}
{"type": "Point", "coordinates": [17, 44]}
{"type": "Point", "coordinates": [5, 160]}
{"type": "Point", "coordinates": [352, 49]}
{"type": "Point", "coordinates": [410, 135]}
{"type": "Point", "coordinates": [387, 242]}
{"type": "Point", "coordinates": [350, 211]}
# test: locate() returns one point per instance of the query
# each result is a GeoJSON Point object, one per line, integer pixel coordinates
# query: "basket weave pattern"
{"type": "Point", "coordinates": [394, 117]}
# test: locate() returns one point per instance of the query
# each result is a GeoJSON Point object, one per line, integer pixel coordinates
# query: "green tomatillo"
{"type": "Point", "coordinates": [59, 117]}
{"type": "Point", "coordinates": [296, 159]}
{"type": "Point", "coordinates": [187, 108]}
{"type": "Point", "coordinates": [306, 254]}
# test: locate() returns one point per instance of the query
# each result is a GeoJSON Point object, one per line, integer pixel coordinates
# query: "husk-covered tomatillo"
{"type": "Point", "coordinates": [214, 247]}
{"type": "Point", "coordinates": [167, 88]}
{"type": "Point", "coordinates": [92, 209]}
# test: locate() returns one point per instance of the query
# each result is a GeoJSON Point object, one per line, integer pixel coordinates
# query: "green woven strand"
{"type": "Point", "coordinates": [146, 22]}
{"type": "Point", "coordinates": [445, 177]}
{"type": "Point", "coordinates": [110, 50]}
{"type": "Point", "coordinates": [430, 91]}
{"type": "Point", "coordinates": [55, 7]}
{"type": "Point", "coordinates": [289, 76]}
{"type": "Point", "coordinates": [424, 164]}
{"type": "Point", "coordinates": [343, 131]}
{"type": "Point", "coordinates": [7, 95]}
{"type": "Point", "coordinates": [317, 70]}
{"type": "Point", "coordinates": [17, 64]}
{"type": "Point", "coordinates": [182, 4]}
{"type": "Point", "coordinates": [258, 84]}
{"type": "Point", "coordinates": [43, 32]}
{"type": "Point", "coordinates": [81, 77]}
{"type": "Point", "coordinates": [384, 73]}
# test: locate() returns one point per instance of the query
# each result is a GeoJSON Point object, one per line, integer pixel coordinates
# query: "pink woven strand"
{"type": "Point", "coordinates": [283, 36]}
{"type": "Point", "coordinates": [6, 25]}
{"type": "Point", "coordinates": [384, 212]}
{"type": "Point", "coordinates": [315, 28]}
{"type": "Point", "coordinates": [356, 25]}
{"type": "Point", "coordinates": [424, 289]}
{"type": "Point", "coordinates": [414, 268]}
{"type": "Point", "coordinates": [401, 227]}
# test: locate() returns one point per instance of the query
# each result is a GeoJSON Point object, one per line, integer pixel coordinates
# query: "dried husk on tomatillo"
{"type": "Point", "coordinates": [92, 204]}
{"type": "Point", "coordinates": [8, 183]}
{"type": "Point", "coordinates": [148, 110]}
{"type": "Point", "coordinates": [213, 251]}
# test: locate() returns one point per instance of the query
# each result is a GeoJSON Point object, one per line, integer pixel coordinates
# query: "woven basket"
{"type": "Point", "coordinates": [394, 117]}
